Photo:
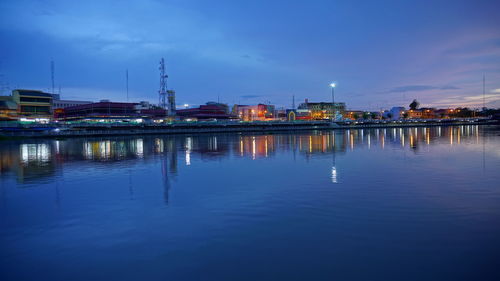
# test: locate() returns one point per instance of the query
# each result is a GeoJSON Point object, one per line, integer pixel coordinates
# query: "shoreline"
{"type": "Point", "coordinates": [84, 130]}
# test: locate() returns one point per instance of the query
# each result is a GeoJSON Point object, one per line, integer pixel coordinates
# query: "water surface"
{"type": "Point", "coordinates": [371, 204]}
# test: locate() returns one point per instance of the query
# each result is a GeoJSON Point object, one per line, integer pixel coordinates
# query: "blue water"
{"type": "Point", "coordinates": [373, 204]}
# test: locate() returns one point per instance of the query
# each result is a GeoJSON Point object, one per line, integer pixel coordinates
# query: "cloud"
{"type": "Point", "coordinates": [100, 28]}
{"type": "Point", "coordinates": [449, 88]}
{"type": "Point", "coordinates": [491, 100]}
{"type": "Point", "coordinates": [496, 91]}
{"type": "Point", "coordinates": [482, 47]}
{"type": "Point", "coordinates": [420, 88]}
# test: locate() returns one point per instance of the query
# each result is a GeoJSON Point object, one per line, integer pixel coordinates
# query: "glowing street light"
{"type": "Point", "coordinates": [334, 112]}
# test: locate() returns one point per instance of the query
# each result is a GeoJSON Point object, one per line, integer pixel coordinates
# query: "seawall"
{"type": "Point", "coordinates": [102, 129]}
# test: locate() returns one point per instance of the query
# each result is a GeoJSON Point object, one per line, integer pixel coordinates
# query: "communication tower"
{"type": "Point", "coordinates": [167, 97]}
{"type": "Point", "coordinates": [163, 85]}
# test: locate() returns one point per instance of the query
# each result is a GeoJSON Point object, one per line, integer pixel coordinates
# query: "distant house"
{"type": "Point", "coordinates": [422, 113]}
{"type": "Point", "coordinates": [354, 114]}
{"type": "Point", "coordinates": [443, 113]}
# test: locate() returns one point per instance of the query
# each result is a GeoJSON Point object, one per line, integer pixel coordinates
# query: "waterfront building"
{"type": "Point", "coordinates": [291, 114]}
{"type": "Point", "coordinates": [33, 103]}
{"type": "Point", "coordinates": [8, 108]}
{"type": "Point", "coordinates": [443, 113]}
{"type": "Point", "coordinates": [259, 112]}
{"type": "Point", "coordinates": [395, 113]}
{"type": "Point", "coordinates": [354, 114]}
{"type": "Point", "coordinates": [280, 114]}
{"type": "Point", "coordinates": [303, 114]}
{"type": "Point", "coordinates": [322, 110]}
{"type": "Point", "coordinates": [422, 113]}
{"type": "Point", "coordinates": [109, 111]}
{"type": "Point", "coordinates": [360, 114]}
{"type": "Point", "coordinates": [57, 104]}
{"type": "Point", "coordinates": [143, 105]}
{"type": "Point", "coordinates": [210, 110]}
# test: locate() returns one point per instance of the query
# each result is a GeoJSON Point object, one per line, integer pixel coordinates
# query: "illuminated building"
{"type": "Point", "coordinates": [56, 104]}
{"type": "Point", "coordinates": [106, 110]}
{"type": "Point", "coordinates": [32, 103]}
{"type": "Point", "coordinates": [321, 110]}
{"type": "Point", "coordinates": [8, 108]}
{"type": "Point", "coordinates": [422, 113]}
{"type": "Point", "coordinates": [259, 112]}
{"type": "Point", "coordinates": [210, 110]}
{"type": "Point", "coordinates": [354, 114]}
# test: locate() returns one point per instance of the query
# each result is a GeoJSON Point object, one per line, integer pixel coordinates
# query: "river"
{"type": "Point", "coordinates": [365, 204]}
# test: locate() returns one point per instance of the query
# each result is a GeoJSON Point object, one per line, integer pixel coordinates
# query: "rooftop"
{"type": "Point", "coordinates": [34, 93]}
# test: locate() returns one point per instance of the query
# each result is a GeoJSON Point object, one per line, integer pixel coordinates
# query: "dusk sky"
{"type": "Point", "coordinates": [381, 53]}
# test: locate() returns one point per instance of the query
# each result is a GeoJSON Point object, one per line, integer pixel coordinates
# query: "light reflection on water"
{"type": "Point", "coordinates": [313, 204]}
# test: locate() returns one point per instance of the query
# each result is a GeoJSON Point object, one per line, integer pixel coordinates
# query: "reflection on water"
{"type": "Point", "coordinates": [41, 158]}
{"type": "Point", "coordinates": [311, 205]}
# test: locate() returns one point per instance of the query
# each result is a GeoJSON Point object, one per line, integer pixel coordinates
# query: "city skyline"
{"type": "Point", "coordinates": [247, 53]}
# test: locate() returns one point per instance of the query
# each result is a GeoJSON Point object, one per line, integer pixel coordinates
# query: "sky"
{"type": "Point", "coordinates": [380, 53]}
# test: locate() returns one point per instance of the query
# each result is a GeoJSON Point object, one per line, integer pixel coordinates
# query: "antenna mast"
{"type": "Point", "coordinates": [52, 70]}
{"type": "Point", "coordinates": [126, 76]}
{"type": "Point", "coordinates": [163, 85]}
{"type": "Point", "coordinates": [484, 100]}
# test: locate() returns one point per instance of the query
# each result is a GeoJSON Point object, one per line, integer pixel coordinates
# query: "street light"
{"type": "Point", "coordinates": [334, 113]}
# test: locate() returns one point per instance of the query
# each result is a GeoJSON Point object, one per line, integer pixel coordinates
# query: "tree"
{"type": "Point", "coordinates": [414, 104]}
{"type": "Point", "coordinates": [405, 115]}
{"type": "Point", "coordinates": [366, 115]}
{"type": "Point", "coordinates": [374, 115]}
{"type": "Point", "coordinates": [355, 116]}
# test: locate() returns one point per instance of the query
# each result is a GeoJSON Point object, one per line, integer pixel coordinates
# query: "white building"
{"type": "Point", "coordinates": [396, 113]}
{"type": "Point", "coordinates": [143, 105]}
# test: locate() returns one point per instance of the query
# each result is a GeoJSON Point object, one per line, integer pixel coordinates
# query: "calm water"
{"type": "Point", "coordinates": [378, 204]}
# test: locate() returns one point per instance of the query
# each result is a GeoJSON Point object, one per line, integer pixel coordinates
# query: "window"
{"type": "Point", "coordinates": [35, 109]}
{"type": "Point", "coordinates": [28, 99]}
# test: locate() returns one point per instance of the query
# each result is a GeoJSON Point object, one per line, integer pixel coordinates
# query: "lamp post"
{"type": "Point", "coordinates": [334, 112]}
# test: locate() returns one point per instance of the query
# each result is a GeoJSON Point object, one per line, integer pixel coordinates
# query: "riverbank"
{"type": "Point", "coordinates": [17, 130]}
